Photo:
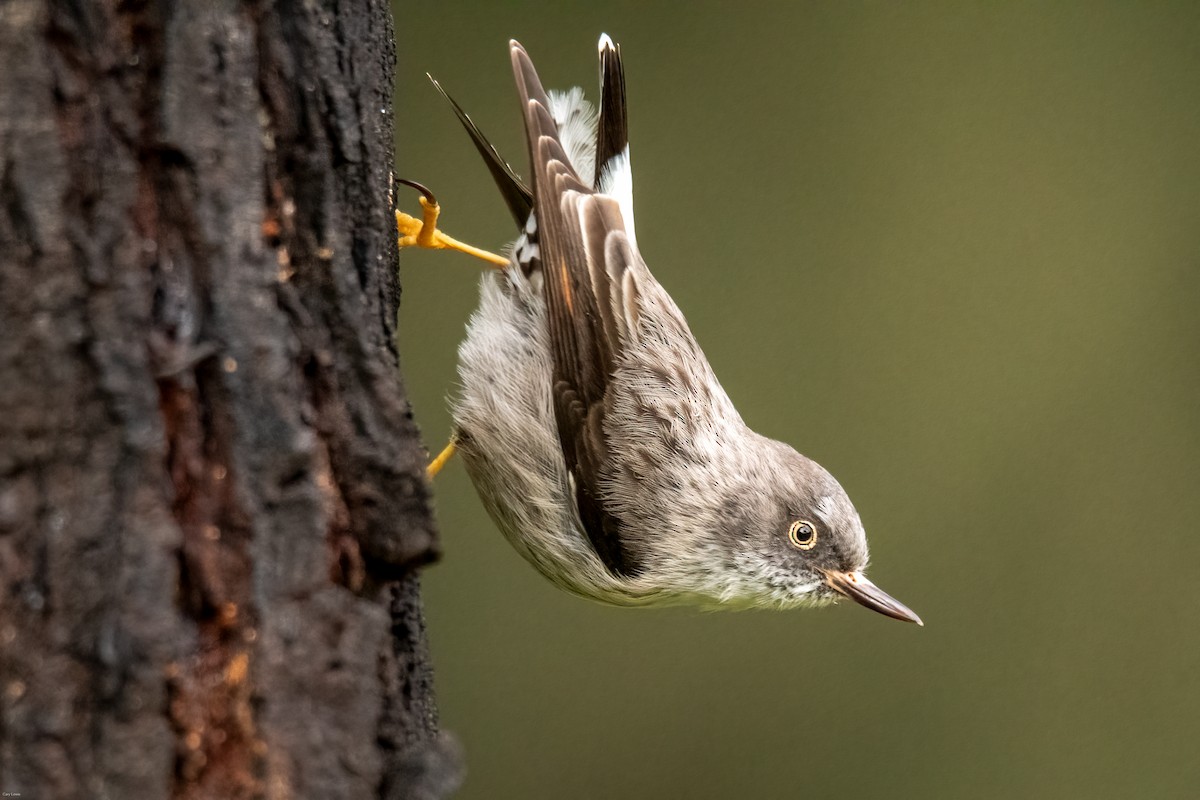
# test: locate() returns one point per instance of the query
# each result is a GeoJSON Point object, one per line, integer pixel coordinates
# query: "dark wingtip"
{"type": "Point", "coordinates": [516, 194]}
{"type": "Point", "coordinates": [612, 131]}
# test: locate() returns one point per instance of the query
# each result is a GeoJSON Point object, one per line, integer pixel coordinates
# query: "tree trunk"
{"type": "Point", "coordinates": [212, 503]}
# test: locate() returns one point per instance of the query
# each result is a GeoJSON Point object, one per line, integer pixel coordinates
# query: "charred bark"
{"type": "Point", "coordinates": [212, 503]}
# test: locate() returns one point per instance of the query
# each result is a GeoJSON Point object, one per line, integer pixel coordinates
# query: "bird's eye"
{"type": "Point", "coordinates": [802, 535]}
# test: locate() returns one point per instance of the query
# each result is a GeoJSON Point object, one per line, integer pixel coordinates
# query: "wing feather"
{"type": "Point", "coordinates": [516, 195]}
{"type": "Point", "coordinates": [575, 230]}
{"type": "Point", "coordinates": [612, 132]}
{"type": "Point", "coordinates": [614, 174]}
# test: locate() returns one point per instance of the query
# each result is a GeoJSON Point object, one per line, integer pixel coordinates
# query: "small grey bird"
{"type": "Point", "coordinates": [589, 420]}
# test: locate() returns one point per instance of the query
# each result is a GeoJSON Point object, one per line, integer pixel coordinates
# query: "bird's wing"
{"type": "Point", "coordinates": [590, 302]}
{"type": "Point", "coordinates": [516, 195]}
{"type": "Point", "coordinates": [614, 175]}
{"type": "Point", "coordinates": [612, 132]}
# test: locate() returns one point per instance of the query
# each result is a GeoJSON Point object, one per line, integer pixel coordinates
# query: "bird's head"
{"type": "Point", "coordinates": [804, 543]}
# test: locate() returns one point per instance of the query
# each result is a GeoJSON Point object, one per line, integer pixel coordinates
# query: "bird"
{"type": "Point", "coordinates": [595, 432]}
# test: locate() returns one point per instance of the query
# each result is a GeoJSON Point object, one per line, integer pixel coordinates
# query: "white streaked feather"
{"type": "Point", "coordinates": [825, 509]}
{"type": "Point", "coordinates": [524, 251]}
{"type": "Point", "coordinates": [576, 120]}
{"type": "Point", "coordinates": [616, 179]}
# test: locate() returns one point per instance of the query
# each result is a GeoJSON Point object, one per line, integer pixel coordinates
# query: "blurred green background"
{"type": "Point", "coordinates": [951, 251]}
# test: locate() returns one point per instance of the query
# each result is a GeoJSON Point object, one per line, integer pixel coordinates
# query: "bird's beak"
{"type": "Point", "coordinates": [856, 586]}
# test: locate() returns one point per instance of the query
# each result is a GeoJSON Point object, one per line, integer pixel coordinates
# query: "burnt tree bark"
{"type": "Point", "coordinates": [212, 503]}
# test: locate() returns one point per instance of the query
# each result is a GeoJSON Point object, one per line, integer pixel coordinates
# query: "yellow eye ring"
{"type": "Point", "coordinates": [803, 535]}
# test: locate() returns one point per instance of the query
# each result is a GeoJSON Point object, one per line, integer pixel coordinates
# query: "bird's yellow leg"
{"type": "Point", "coordinates": [423, 232]}
{"type": "Point", "coordinates": [436, 465]}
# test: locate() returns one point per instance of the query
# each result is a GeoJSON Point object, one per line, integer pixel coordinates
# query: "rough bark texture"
{"type": "Point", "coordinates": [211, 491]}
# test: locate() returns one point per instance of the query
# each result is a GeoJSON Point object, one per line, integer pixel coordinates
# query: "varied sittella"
{"type": "Point", "coordinates": [590, 421]}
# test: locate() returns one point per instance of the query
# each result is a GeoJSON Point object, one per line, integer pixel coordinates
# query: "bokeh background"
{"type": "Point", "coordinates": [951, 251]}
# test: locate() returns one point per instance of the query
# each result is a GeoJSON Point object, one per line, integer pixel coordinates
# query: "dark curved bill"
{"type": "Point", "coordinates": [856, 586]}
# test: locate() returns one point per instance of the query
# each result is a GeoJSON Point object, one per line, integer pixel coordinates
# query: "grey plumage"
{"type": "Point", "coordinates": [592, 425]}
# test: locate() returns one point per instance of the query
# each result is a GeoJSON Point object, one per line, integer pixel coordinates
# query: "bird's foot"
{"type": "Point", "coordinates": [423, 232]}
{"type": "Point", "coordinates": [436, 465]}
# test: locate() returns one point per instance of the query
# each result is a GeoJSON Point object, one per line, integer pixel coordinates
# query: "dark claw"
{"type": "Point", "coordinates": [420, 188]}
